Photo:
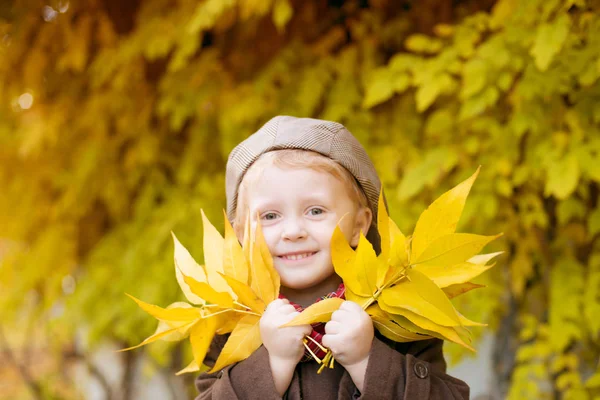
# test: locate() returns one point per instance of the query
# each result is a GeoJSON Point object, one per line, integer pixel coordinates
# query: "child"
{"type": "Point", "coordinates": [298, 177]}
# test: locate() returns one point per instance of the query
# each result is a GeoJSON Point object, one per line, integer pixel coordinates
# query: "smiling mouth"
{"type": "Point", "coordinates": [295, 257]}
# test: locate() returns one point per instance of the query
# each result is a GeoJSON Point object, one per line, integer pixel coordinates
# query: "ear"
{"type": "Point", "coordinates": [362, 222]}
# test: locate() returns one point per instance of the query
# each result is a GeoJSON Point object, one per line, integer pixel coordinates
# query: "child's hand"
{"type": "Point", "coordinates": [349, 335]}
{"type": "Point", "coordinates": [283, 344]}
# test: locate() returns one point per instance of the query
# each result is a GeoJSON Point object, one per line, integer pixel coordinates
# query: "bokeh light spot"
{"type": "Point", "coordinates": [68, 284]}
{"type": "Point", "coordinates": [25, 101]}
{"type": "Point", "coordinates": [63, 6]}
{"type": "Point", "coordinates": [49, 14]}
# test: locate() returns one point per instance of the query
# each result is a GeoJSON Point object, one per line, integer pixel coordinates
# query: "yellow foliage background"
{"type": "Point", "coordinates": [116, 119]}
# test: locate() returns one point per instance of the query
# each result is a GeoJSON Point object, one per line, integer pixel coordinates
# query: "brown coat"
{"type": "Point", "coordinates": [407, 371]}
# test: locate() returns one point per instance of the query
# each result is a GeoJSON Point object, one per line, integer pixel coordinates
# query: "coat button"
{"type": "Point", "coordinates": [421, 369]}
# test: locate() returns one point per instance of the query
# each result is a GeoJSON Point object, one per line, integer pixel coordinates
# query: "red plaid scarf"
{"type": "Point", "coordinates": [319, 328]}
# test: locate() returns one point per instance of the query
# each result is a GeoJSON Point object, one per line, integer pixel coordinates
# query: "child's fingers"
{"type": "Point", "coordinates": [307, 329]}
{"type": "Point", "coordinates": [275, 304]}
{"type": "Point", "coordinates": [287, 309]}
{"type": "Point", "coordinates": [332, 327]}
{"type": "Point", "coordinates": [342, 316]}
{"type": "Point", "coordinates": [350, 306]}
{"type": "Point", "coordinates": [330, 342]}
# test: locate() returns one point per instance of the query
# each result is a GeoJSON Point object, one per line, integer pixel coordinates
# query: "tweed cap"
{"type": "Point", "coordinates": [330, 139]}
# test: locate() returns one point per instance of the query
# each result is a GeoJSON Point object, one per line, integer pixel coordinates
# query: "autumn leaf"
{"type": "Point", "coordinates": [246, 295]}
{"type": "Point", "coordinates": [226, 303]}
{"type": "Point", "coordinates": [168, 314]}
{"type": "Point", "coordinates": [342, 258]}
{"type": "Point", "coordinates": [460, 288]}
{"type": "Point", "coordinates": [184, 326]}
{"type": "Point", "coordinates": [318, 312]}
{"type": "Point", "coordinates": [201, 336]}
{"type": "Point", "coordinates": [242, 342]}
{"type": "Point", "coordinates": [409, 289]}
{"type": "Point", "coordinates": [444, 276]}
{"type": "Point", "coordinates": [186, 265]}
{"type": "Point", "coordinates": [156, 337]}
{"type": "Point", "coordinates": [213, 245]}
{"type": "Point", "coordinates": [191, 367]}
{"type": "Point", "coordinates": [420, 295]}
{"type": "Point", "coordinates": [206, 292]}
{"type": "Point", "coordinates": [388, 326]}
{"type": "Point", "coordinates": [452, 249]}
{"type": "Point", "coordinates": [441, 217]}
{"type": "Point", "coordinates": [263, 281]}
{"type": "Point", "coordinates": [427, 327]}
{"type": "Point", "coordinates": [235, 263]}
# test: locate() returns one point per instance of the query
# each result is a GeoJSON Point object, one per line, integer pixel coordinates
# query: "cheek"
{"type": "Point", "coordinates": [270, 235]}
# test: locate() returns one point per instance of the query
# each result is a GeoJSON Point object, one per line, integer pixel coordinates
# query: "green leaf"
{"type": "Point", "coordinates": [549, 41]}
{"type": "Point", "coordinates": [594, 222]}
{"type": "Point", "coordinates": [379, 87]}
{"type": "Point", "coordinates": [562, 177]}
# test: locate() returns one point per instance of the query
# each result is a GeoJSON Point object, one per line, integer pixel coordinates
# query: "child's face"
{"type": "Point", "coordinates": [298, 210]}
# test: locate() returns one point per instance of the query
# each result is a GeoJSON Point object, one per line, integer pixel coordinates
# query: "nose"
{"type": "Point", "coordinates": [293, 229]}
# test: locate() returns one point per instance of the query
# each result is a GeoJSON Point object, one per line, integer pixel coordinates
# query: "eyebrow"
{"type": "Point", "coordinates": [311, 197]}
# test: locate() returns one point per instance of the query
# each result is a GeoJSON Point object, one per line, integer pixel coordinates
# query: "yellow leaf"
{"type": "Point", "coordinates": [183, 326]}
{"type": "Point", "coordinates": [261, 278]}
{"type": "Point", "coordinates": [451, 275]}
{"type": "Point", "coordinates": [318, 312]}
{"type": "Point", "coordinates": [226, 321]}
{"type": "Point", "coordinates": [429, 327]}
{"type": "Point", "coordinates": [181, 333]}
{"type": "Point", "coordinates": [385, 324]}
{"type": "Point", "coordinates": [235, 264]}
{"type": "Point", "coordinates": [343, 259]}
{"type": "Point", "coordinates": [362, 301]}
{"type": "Point", "coordinates": [246, 246]}
{"type": "Point", "coordinates": [464, 321]}
{"type": "Point", "coordinates": [398, 255]}
{"type": "Point", "coordinates": [192, 367]}
{"type": "Point", "coordinates": [460, 288]}
{"type": "Point", "coordinates": [243, 341]}
{"type": "Point", "coordinates": [186, 265]}
{"type": "Point", "coordinates": [156, 337]}
{"type": "Point", "coordinates": [441, 217]}
{"type": "Point", "coordinates": [268, 261]}
{"type": "Point", "coordinates": [206, 292]}
{"type": "Point", "coordinates": [452, 249]}
{"type": "Point", "coordinates": [383, 226]}
{"type": "Point", "coordinates": [482, 259]}
{"type": "Point", "coordinates": [169, 314]}
{"type": "Point", "coordinates": [420, 295]}
{"type": "Point", "coordinates": [246, 295]}
{"type": "Point", "coordinates": [201, 335]}
{"type": "Point", "coordinates": [367, 266]}
{"type": "Point", "coordinates": [213, 245]}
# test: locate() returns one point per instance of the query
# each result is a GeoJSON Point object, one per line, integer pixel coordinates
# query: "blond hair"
{"type": "Point", "coordinates": [294, 159]}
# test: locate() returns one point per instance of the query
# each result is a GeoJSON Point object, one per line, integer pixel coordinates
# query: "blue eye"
{"type": "Point", "coordinates": [269, 216]}
{"type": "Point", "coordinates": [316, 211]}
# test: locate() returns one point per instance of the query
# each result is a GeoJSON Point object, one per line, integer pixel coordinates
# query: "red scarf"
{"type": "Point", "coordinates": [319, 328]}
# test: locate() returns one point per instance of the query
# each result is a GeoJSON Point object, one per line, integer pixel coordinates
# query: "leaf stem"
{"type": "Point", "coordinates": [241, 305]}
{"type": "Point", "coordinates": [231, 309]}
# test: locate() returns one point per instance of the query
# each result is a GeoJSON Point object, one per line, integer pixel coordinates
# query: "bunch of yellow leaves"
{"type": "Point", "coordinates": [228, 295]}
{"type": "Point", "coordinates": [407, 288]}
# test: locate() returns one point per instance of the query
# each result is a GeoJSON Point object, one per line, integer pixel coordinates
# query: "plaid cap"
{"type": "Point", "coordinates": [330, 139]}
